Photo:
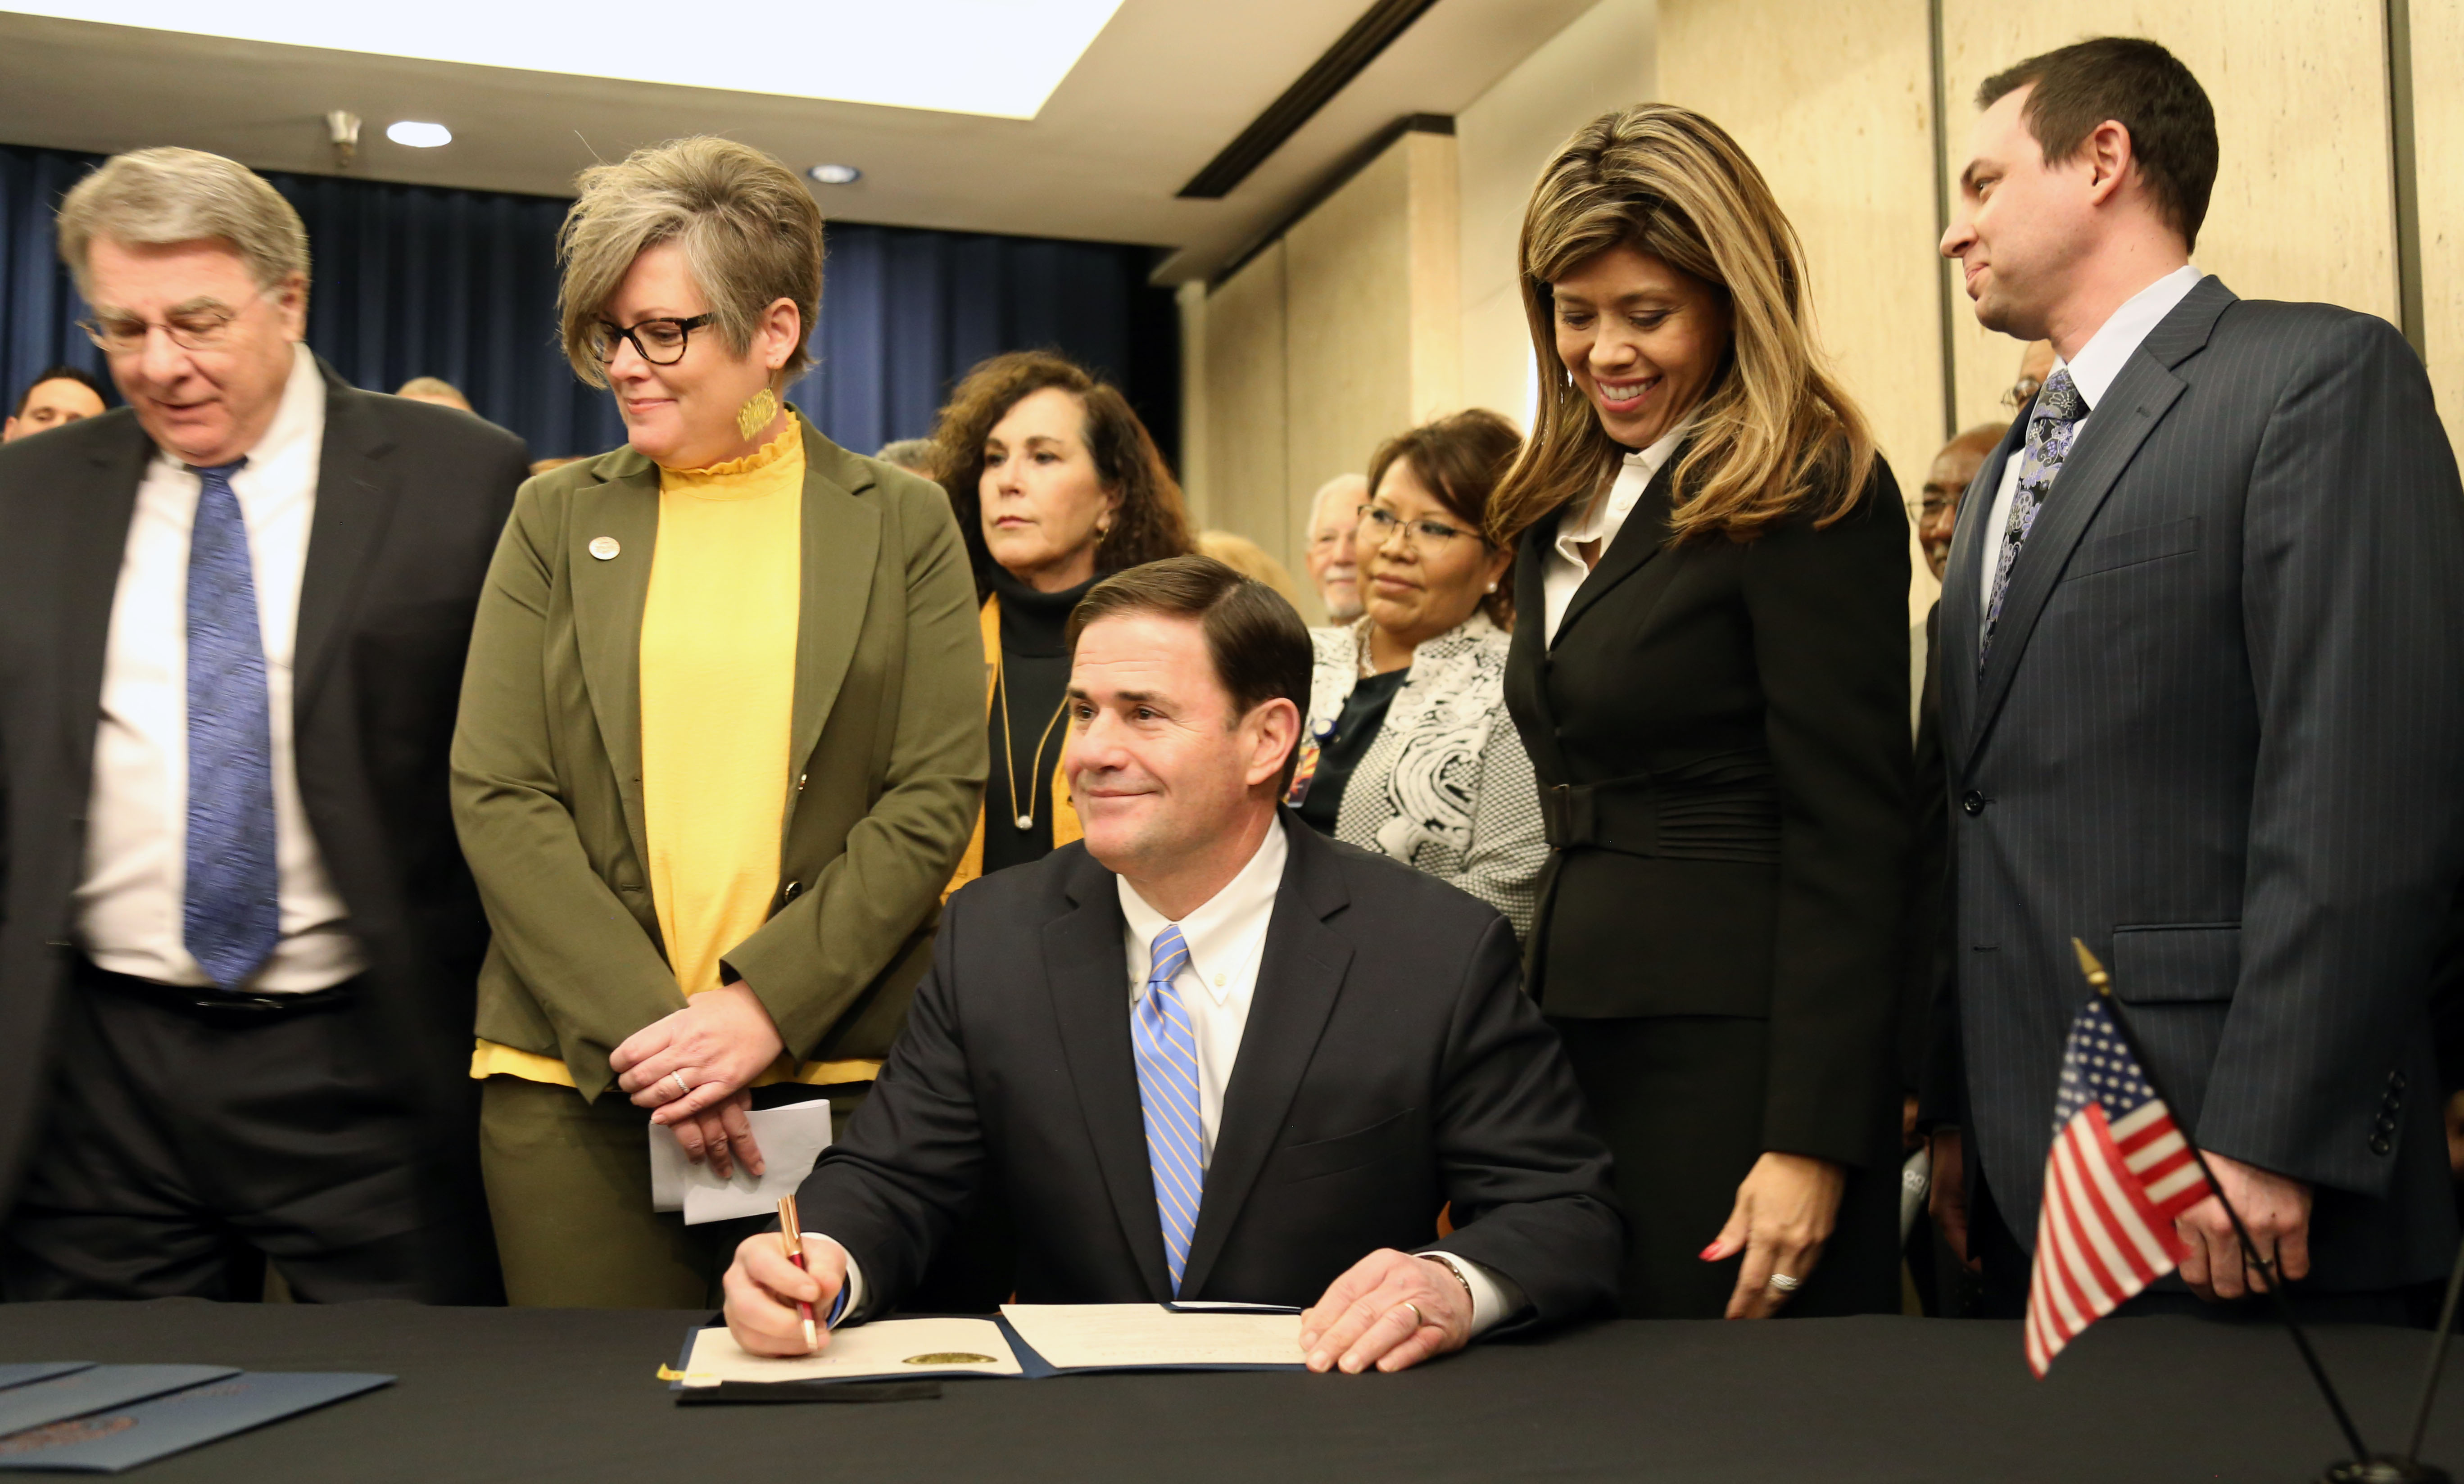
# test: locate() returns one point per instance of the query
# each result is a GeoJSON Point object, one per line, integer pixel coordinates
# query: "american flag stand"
{"type": "Point", "coordinates": [2363, 1467]}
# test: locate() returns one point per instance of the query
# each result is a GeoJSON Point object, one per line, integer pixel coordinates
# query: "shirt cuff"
{"type": "Point", "coordinates": [851, 1293]}
{"type": "Point", "coordinates": [1495, 1297]}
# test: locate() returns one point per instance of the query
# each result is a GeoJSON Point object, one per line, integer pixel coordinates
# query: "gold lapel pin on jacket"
{"type": "Point", "coordinates": [604, 547]}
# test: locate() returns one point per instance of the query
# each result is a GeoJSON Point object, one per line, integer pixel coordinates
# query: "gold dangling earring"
{"type": "Point", "coordinates": [756, 412]}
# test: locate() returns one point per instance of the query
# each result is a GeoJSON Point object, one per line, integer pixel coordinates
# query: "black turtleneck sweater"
{"type": "Point", "coordinates": [1035, 667]}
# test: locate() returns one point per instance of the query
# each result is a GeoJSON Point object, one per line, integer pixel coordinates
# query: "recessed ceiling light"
{"type": "Point", "coordinates": [836, 174]}
{"type": "Point", "coordinates": [419, 136]}
{"type": "Point", "coordinates": [1001, 59]}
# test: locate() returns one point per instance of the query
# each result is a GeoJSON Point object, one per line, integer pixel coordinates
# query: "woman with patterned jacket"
{"type": "Point", "coordinates": [1411, 752]}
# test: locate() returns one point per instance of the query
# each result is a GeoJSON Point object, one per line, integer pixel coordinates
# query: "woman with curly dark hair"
{"type": "Point", "coordinates": [1057, 486]}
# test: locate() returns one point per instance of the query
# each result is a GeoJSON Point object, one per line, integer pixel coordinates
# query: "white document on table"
{"type": "Point", "coordinates": [791, 1139]}
{"type": "Point", "coordinates": [1122, 1335]}
{"type": "Point", "coordinates": [885, 1347]}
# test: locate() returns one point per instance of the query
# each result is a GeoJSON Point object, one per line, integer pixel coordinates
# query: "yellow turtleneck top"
{"type": "Point", "coordinates": [718, 692]}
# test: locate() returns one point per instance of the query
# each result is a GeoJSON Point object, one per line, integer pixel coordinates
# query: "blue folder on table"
{"type": "Point", "coordinates": [89, 1388]}
{"type": "Point", "coordinates": [111, 1436]}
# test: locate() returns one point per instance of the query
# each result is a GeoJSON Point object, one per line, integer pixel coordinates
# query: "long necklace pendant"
{"type": "Point", "coordinates": [1027, 822]}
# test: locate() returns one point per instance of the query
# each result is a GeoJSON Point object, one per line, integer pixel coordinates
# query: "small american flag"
{"type": "Point", "coordinates": [2118, 1173]}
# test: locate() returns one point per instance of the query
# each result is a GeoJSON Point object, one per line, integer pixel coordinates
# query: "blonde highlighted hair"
{"type": "Point", "coordinates": [1775, 434]}
{"type": "Point", "coordinates": [749, 231]}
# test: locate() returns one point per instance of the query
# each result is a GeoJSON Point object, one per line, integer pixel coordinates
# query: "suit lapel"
{"type": "Point", "coordinates": [608, 597]}
{"type": "Point", "coordinates": [93, 547]}
{"type": "Point", "coordinates": [1958, 630]}
{"type": "Point", "coordinates": [1088, 976]}
{"type": "Point", "coordinates": [1643, 536]}
{"type": "Point", "coordinates": [2137, 401]}
{"type": "Point", "coordinates": [1298, 974]}
{"type": "Point", "coordinates": [1526, 681]}
{"type": "Point", "coordinates": [841, 535]}
{"type": "Point", "coordinates": [355, 492]}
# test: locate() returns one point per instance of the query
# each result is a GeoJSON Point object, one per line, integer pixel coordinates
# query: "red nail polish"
{"type": "Point", "coordinates": [1711, 1252]}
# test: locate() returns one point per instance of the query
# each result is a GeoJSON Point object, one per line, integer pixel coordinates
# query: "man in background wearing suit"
{"type": "Point", "coordinates": [238, 941]}
{"type": "Point", "coordinates": [2201, 643]}
{"type": "Point", "coordinates": [1208, 1054]}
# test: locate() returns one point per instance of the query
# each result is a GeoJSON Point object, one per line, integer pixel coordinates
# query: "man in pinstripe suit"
{"type": "Point", "coordinates": [2202, 705]}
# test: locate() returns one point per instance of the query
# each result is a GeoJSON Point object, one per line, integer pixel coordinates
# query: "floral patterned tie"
{"type": "Point", "coordinates": [2053, 424]}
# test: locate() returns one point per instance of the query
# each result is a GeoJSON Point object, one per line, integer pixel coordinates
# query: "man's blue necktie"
{"type": "Point", "coordinates": [233, 916]}
{"type": "Point", "coordinates": [1166, 1044]}
{"type": "Point", "coordinates": [2052, 426]}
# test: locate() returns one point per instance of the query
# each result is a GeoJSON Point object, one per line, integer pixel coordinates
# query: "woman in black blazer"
{"type": "Point", "coordinates": [1712, 677]}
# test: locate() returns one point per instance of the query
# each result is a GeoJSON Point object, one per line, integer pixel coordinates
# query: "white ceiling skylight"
{"type": "Point", "coordinates": [999, 57]}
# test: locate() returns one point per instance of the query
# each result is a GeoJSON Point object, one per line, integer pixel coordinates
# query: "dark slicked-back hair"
{"type": "Point", "coordinates": [2139, 85]}
{"type": "Point", "coordinates": [1259, 647]}
{"type": "Point", "coordinates": [61, 373]}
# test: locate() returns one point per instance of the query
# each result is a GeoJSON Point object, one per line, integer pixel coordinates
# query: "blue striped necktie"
{"type": "Point", "coordinates": [1166, 1044]}
{"type": "Point", "coordinates": [232, 917]}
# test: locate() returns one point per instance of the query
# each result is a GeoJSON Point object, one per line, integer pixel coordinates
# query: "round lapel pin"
{"type": "Point", "coordinates": [604, 547]}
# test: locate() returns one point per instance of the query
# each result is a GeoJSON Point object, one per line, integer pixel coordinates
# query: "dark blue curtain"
{"type": "Point", "coordinates": [412, 280]}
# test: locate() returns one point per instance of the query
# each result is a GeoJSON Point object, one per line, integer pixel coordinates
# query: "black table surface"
{"type": "Point", "coordinates": [543, 1394]}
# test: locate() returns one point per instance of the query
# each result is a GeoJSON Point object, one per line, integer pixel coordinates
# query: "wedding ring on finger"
{"type": "Point", "coordinates": [1417, 1319]}
{"type": "Point", "coordinates": [684, 1089]}
{"type": "Point", "coordinates": [1785, 1283]}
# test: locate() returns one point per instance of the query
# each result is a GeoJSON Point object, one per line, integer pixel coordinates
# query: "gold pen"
{"type": "Point", "coordinates": [791, 1242]}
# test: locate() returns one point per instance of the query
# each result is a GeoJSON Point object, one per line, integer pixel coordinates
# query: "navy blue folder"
{"type": "Point", "coordinates": [122, 1436]}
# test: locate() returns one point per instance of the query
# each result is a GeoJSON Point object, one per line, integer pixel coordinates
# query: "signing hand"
{"type": "Point", "coordinates": [1366, 1316]}
{"type": "Point", "coordinates": [1783, 1217]}
{"type": "Point", "coordinates": [2275, 1208]}
{"type": "Point", "coordinates": [690, 1069]}
{"type": "Point", "coordinates": [762, 1287]}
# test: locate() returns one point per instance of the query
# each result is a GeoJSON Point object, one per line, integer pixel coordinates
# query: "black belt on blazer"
{"type": "Point", "coordinates": [1724, 809]}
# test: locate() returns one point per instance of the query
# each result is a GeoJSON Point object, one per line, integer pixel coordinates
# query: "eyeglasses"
{"type": "Point", "coordinates": [659, 341]}
{"type": "Point", "coordinates": [2022, 392]}
{"type": "Point", "coordinates": [195, 329]}
{"type": "Point", "coordinates": [1927, 507]}
{"type": "Point", "coordinates": [1380, 524]}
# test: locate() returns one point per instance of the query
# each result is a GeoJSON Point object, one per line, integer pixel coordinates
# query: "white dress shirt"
{"type": "Point", "coordinates": [2100, 362]}
{"type": "Point", "coordinates": [1227, 940]}
{"type": "Point", "coordinates": [1565, 568]}
{"type": "Point", "coordinates": [132, 900]}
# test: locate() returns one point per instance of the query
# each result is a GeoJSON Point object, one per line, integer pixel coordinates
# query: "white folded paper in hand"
{"type": "Point", "coordinates": [791, 1139]}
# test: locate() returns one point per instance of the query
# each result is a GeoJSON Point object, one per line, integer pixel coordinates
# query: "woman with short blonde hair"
{"type": "Point", "coordinates": [1710, 671]}
{"type": "Point", "coordinates": [719, 745]}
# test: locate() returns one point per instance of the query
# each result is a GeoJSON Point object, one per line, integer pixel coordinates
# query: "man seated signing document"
{"type": "Point", "coordinates": [1208, 1054]}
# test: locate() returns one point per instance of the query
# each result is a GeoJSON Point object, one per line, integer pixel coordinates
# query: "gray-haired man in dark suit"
{"type": "Point", "coordinates": [2202, 705]}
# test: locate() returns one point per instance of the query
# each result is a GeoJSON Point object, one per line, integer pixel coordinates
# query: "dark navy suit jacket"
{"type": "Point", "coordinates": [1391, 1065]}
{"type": "Point", "coordinates": [2220, 737]}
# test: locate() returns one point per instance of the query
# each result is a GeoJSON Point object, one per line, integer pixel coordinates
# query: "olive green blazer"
{"type": "Point", "coordinates": [888, 764]}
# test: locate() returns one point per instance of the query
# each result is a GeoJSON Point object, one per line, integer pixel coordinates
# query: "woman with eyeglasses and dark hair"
{"type": "Point", "coordinates": [1410, 750]}
{"type": "Point", "coordinates": [720, 742]}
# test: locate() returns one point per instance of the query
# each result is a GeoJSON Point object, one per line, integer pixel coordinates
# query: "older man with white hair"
{"type": "Point", "coordinates": [1334, 559]}
{"type": "Point", "coordinates": [238, 942]}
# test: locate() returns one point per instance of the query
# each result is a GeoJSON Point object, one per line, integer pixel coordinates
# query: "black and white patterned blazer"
{"type": "Point", "coordinates": [1446, 787]}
